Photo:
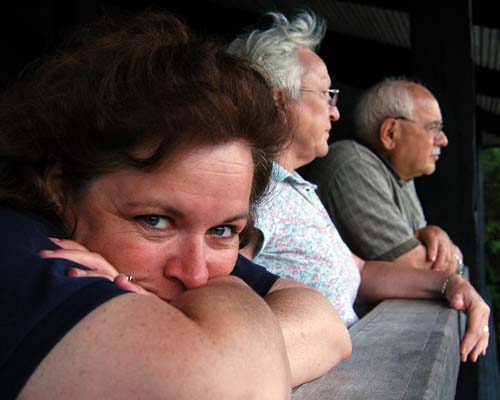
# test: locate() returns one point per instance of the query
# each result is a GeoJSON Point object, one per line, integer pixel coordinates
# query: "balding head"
{"type": "Point", "coordinates": [401, 120]}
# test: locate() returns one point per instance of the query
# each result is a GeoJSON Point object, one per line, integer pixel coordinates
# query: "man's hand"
{"type": "Point", "coordinates": [463, 297]}
{"type": "Point", "coordinates": [441, 251]}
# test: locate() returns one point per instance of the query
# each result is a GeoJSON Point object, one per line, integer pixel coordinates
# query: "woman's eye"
{"type": "Point", "coordinates": [154, 221]}
{"type": "Point", "coordinates": [222, 231]}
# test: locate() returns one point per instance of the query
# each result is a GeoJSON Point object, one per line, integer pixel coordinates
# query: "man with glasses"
{"type": "Point", "coordinates": [367, 185]}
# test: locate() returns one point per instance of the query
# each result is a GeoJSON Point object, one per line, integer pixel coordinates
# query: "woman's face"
{"type": "Point", "coordinates": [312, 110]}
{"type": "Point", "coordinates": [176, 227]}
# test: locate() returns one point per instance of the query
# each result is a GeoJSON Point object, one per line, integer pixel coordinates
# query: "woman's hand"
{"type": "Point", "coordinates": [463, 297]}
{"type": "Point", "coordinates": [97, 264]}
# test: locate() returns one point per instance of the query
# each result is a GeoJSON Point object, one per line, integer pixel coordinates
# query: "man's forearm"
{"type": "Point", "coordinates": [415, 258]}
{"type": "Point", "coordinates": [382, 279]}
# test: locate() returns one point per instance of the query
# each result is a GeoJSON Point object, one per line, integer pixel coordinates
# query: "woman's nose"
{"type": "Point", "coordinates": [188, 264]}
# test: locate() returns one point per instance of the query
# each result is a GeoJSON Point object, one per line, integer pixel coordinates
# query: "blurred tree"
{"type": "Point", "coordinates": [491, 165]}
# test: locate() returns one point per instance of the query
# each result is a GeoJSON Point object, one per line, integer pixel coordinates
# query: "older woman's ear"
{"type": "Point", "coordinates": [282, 98]}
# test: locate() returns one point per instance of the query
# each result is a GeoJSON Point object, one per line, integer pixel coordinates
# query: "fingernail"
{"type": "Point", "coordinates": [72, 272]}
{"type": "Point", "coordinates": [57, 240]}
{"type": "Point", "coordinates": [45, 252]}
{"type": "Point", "coordinates": [120, 275]}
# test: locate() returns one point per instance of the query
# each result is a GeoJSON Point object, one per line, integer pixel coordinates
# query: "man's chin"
{"type": "Point", "coordinates": [430, 170]}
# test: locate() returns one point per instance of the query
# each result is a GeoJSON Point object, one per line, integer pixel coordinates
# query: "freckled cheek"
{"type": "Point", "coordinates": [221, 263]}
{"type": "Point", "coordinates": [129, 258]}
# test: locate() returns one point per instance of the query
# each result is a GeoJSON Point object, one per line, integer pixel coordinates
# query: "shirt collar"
{"type": "Point", "coordinates": [281, 174]}
{"type": "Point", "coordinates": [401, 182]}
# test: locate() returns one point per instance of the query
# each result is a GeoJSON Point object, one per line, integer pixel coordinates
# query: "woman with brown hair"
{"type": "Point", "coordinates": [146, 148]}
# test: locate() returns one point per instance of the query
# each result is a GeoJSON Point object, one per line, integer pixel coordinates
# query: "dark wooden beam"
{"type": "Point", "coordinates": [487, 121]}
{"type": "Point", "coordinates": [361, 63]}
{"type": "Point", "coordinates": [488, 81]}
{"type": "Point", "coordinates": [442, 58]}
{"type": "Point", "coordinates": [483, 14]}
{"type": "Point", "coordinates": [387, 4]}
{"type": "Point", "coordinates": [453, 196]}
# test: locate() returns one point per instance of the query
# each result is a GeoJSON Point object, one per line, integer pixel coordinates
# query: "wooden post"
{"type": "Point", "coordinates": [441, 43]}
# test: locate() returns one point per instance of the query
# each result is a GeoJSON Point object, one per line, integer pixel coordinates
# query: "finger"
{"type": "Point", "coordinates": [432, 249]}
{"type": "Point", "coordinates": [122, 282]}
{"type": "Point", "coordinates": [480, 350]}
{"type": "Point", "coordinates": [476, 339]}
{"type": "Point", "coordinates": [93, 261]}
{"type": "Point", "coordinates": [468, 343]}
{"type": "Point", "coordinates": [457, 303]}
{"type": "Point", "coordinates": [477, 350]}
{"type": "Point", "coordinates": [440, 263]}
{"type": "Point", "coordinates": [443, 267]}
{"type": "Point", "coordinates": [87, 273]}
{"type": "Point", "coordinates": [68, 244]}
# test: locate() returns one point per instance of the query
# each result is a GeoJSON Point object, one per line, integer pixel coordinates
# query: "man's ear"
{"type": "Point", "coordinates": [388, 133]}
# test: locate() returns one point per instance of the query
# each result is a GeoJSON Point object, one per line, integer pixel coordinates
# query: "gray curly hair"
{"type": "Point", "coordinates": [274, 51]}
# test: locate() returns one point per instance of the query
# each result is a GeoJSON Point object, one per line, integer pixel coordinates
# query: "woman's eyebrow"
{"type": "Point", "coordinates": [157, 204]}
{"type": "Point", "coordinates": [237, 217]}
{"type": "Point", "coordinates": [178, 213]}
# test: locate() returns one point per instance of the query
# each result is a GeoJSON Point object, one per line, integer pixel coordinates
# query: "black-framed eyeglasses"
{"type": "Point", "coordinates": [436, 128]}
{"type": "Point", "coordinates": [331, 95]}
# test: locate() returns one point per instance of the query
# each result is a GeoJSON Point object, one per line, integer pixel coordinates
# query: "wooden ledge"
{"type": "Point", "coordinates": [402, 349]}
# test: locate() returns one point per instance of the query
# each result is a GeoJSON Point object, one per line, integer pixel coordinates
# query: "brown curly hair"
{"type": "Point", "coordinates": [120, 84]}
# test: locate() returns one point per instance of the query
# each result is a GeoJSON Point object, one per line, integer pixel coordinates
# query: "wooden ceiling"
{"type": "Point", "coordinates": [369, 40]}
{"type": "Point", "coordinates": [366, 40]}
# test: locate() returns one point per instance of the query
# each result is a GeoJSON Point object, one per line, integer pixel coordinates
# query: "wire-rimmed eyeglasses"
{"type": "Point", "coordinates": [435, 128]}
{"type": "Point", "coordinates": [331, 95]}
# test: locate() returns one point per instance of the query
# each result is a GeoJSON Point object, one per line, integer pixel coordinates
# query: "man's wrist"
{"type": "Point", "coordinates": [460, 265]}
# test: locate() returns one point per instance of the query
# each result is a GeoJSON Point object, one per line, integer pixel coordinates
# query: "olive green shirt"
{"type": "Point", "coordinates": [374, 210]}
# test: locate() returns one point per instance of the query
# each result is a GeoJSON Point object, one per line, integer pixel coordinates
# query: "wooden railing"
{"type": "Point", "coordinates": [402, 349]}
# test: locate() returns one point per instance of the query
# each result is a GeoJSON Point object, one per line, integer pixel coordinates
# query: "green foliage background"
{"type": "Point", "coordinates": [491, 165]}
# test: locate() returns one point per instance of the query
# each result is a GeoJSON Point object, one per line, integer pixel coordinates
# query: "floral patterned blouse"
{"type": "Point", "coordinates": [300, 242]}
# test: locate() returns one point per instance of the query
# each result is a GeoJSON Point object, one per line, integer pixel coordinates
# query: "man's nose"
{"type": "Point", "coordinates": [334, 113]}
{"type": "Point", "coordinates": [188, 264]}
{"type": "Point", "coordinates": [441, 139]}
